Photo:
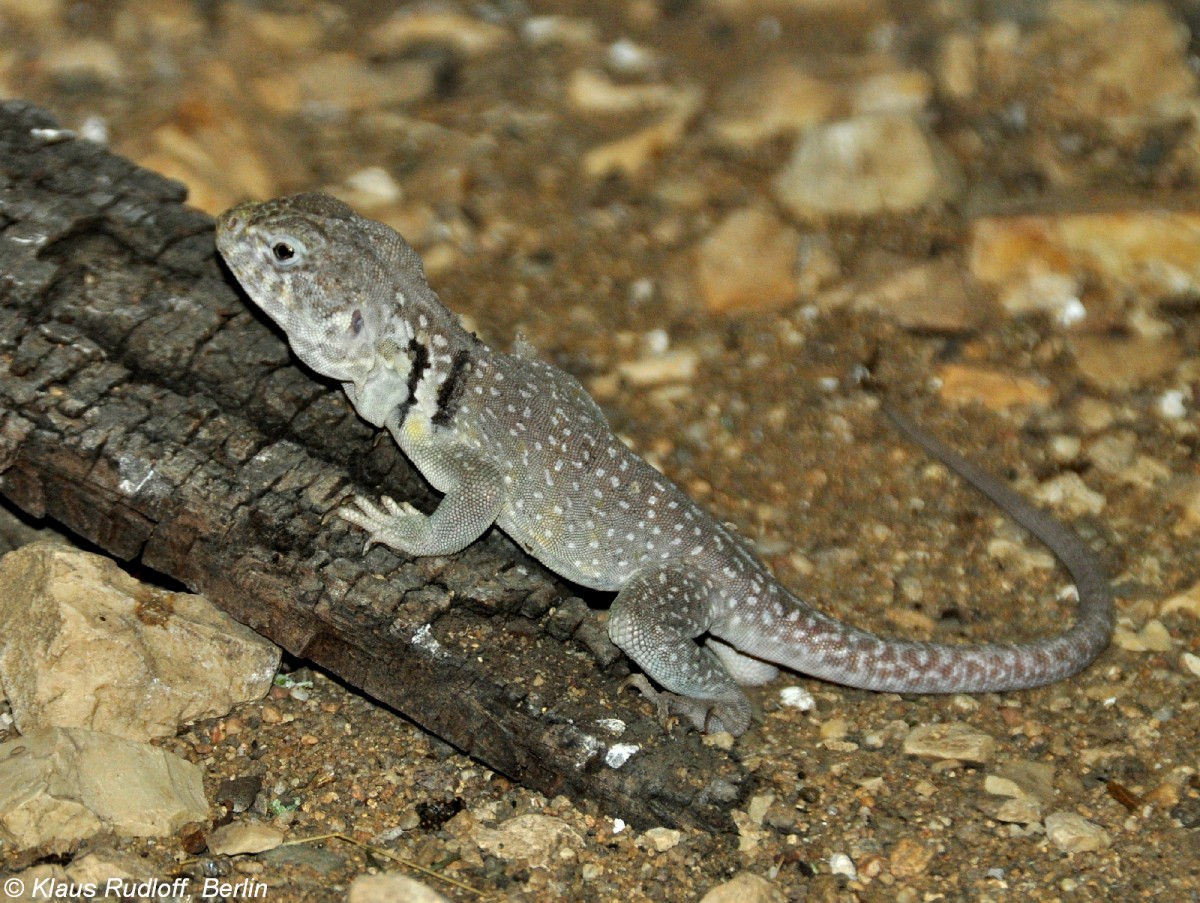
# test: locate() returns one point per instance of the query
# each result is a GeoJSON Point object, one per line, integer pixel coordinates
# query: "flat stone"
{"type": "Point", "coordinates": [745, 887]}
{"type": "Point", "coordinates": [748, 262]}
{"type": "Point", "coordinates": [213, 151]}
{"type": "Point", "coordinates": [534, 838]}
{"type": "Point", "coordinates": [244, 837]}
{"type": "Point", "coordinates": [910, 858]}
{"type": "Point", "coordinates": [61, 785]}
{"type": "Point", "coordinates": [390, 887]}
{"type": "Point", "coordinates": [343, 82]}
{"type": "Point", "coordinates": [951, 740]}
{"type": "Point", "coordinates": [591, 91]}
{"type": "Point", "coordinates": [656, 369]}
{"type": "Point", "coordinates": [83, 644]}
{"type": "Point", "coordinates": [1152, 637]}
{"type": "Point", "coordinates": [1120, 363]}
{"type": "Point", "coordinates": [1135, 70]}
{"type": "Point", "coordinates": [1072, 833]}
{"type": "Point", "coordinates": [1019, 811]}
{"type": "Point", "coordinates": [866, 165]}
{"type": "Point", "coordinates": [1030, 779]}
{"type": "Point", "coordinates": [662, 839]}
{"type": "Point", "coordinates": [103, 865]}
{"type": "Point", "coordinates": [994, 389]}
{"type": "Point", "coordinates": [1187, 601]}
{"type": "Point", "coordinates": [931, 296]}
{"type": "Point", "coordinates": [781, 99]}
{"type": "Point", "coordinates": [1041, 262]}
{"type": "Point", "coordinates": [631, 154]}
{"type": "Point", "coordinates": [1067, 492]}
{"type": "Point", "coordinates": [432, 25]}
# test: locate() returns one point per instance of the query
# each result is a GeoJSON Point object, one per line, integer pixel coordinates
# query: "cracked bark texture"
{"type": "Point", "coordinates": [147, 408]}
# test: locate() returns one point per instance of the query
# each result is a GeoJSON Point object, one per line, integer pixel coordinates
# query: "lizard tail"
{"type": "Point", "coordinates": [824, 647]}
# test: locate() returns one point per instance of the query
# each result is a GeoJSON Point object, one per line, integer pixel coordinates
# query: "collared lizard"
{"type": "Point", "coordinates": [513, 441]}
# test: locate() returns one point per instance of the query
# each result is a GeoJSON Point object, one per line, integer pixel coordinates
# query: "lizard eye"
{"type": "Point", "coordinates": [286, 251]}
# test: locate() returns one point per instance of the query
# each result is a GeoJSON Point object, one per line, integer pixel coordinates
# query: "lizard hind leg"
{"type": "Point", "coordinates": [656, 619]}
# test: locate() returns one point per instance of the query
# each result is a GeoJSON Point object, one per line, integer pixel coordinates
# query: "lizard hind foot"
{"type": "Point", "coordinates": [708, 716]}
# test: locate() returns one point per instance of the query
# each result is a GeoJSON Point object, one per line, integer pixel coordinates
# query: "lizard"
{"type": "Point", "coordinates": [514, 441]}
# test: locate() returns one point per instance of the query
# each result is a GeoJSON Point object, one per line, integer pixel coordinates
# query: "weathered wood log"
{"type": "Point", "coordinates": [145, 406]}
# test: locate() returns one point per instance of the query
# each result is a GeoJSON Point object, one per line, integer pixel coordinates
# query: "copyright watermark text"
{"type": "Point", "coordinates": [51, 888]}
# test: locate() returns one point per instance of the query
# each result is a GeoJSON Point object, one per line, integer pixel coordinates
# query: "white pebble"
{"type": "Point", "coordinates": [841, 864]}
{"type": "Point", "coordinates": [620, 753]}
{"type": "Point", "coordinates": [1172, 404]}
{"type": "Point", "coordinates": [797, 698]}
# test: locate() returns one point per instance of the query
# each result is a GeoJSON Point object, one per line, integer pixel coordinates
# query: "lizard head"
{"type": "Point", "coordinates": [349, 292]}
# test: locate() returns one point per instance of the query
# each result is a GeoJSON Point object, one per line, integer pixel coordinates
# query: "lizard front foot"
{"type": "Point", "coordinates": [709, 716]}
{"type": "Point", "coordinates": [400, 526]}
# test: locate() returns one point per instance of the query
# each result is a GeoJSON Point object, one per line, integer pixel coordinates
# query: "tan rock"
{"type": "Point", "coordinates": [213, 151]}
{"type": "Point", "coordinates": [1029, 779]}
{"type": "Point", "coordinates": [244, 837]}
{"type": "Point", "coordinates": [958, 66]}
{"type": "Point", "coordinates": [431, 25]}
{"type": "Point", "coordinates": [252, 31]}
{"type": "Point", "coordinates": [1191, 663]}
{"type": "Point", "coordinates": [544, 31]}
{"type": "Point", "coordinates": [893, 91]}
{"type": "Point", "coordinates": [866, 165]}
{"type": "Point", "coordinates": [90, 58]}
{"type": "Point", "coordinates": [99, 867]}
{"type": "Point", "coordinates": [1124, 362]}
{"type": "Point", "coordinates": [998, 391]}
{"type": "Point", "coordinates": [1072, 833]}
{"type": "Point", "coordinates": [630, 155]}
{"type": "Point", "coordinates": [1135, 69]}
{"type": "Point", "coordinates": [748, 262]}
{"type": "Point", "coordinates": [661, 839]}
{"type": "Point", "coordinates": [950, 740]}
{"type": "Point", "coordinates": [1152, 637]}
{"type": "Point", "coordinates": [343, 81]}
{"type": "Point", "coordinates": [660, 368]}
{"type": "Point", "coordinates": [910, 858]}
{"type": "Point", "coordinates": [745, 887]}
{"type": "Point", "coordinates": [82, 644]}
{"type": "Point", "coordinates": [1187, 601]}
{"type": "Point", "coordinates": [1018, 810]}
{"type": "Point", "coordinates": [1042, 261]}
{"type": "Point", "coordinates": [534, 838]}
{"type": "Point", "coordinates": [781, 99]}
{"type": "Point", "coordinates": [591, 91]}
{"type": "Point", "coordinates": [390, 887]}
{"type": "Point", "coordinates": [931, 296]}
{"type": "Point", "coordinates": [33, 13]}
{"type": "Point", "coordinates": [1067, 492]}
{"type": "Point", "coordinates": [61, 785]}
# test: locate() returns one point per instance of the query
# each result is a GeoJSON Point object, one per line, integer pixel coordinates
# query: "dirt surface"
{"type": "Point", "coordinates": [476, 136]}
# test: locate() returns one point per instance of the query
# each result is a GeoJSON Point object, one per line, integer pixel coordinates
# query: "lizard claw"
{"type": "Point", "coordinates": [708, 716]}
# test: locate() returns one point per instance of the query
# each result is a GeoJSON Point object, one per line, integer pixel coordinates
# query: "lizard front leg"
{"type": "Point", "coordinates": [468, 508]}
{"type": "Point", "coordinates": [656, 619]}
